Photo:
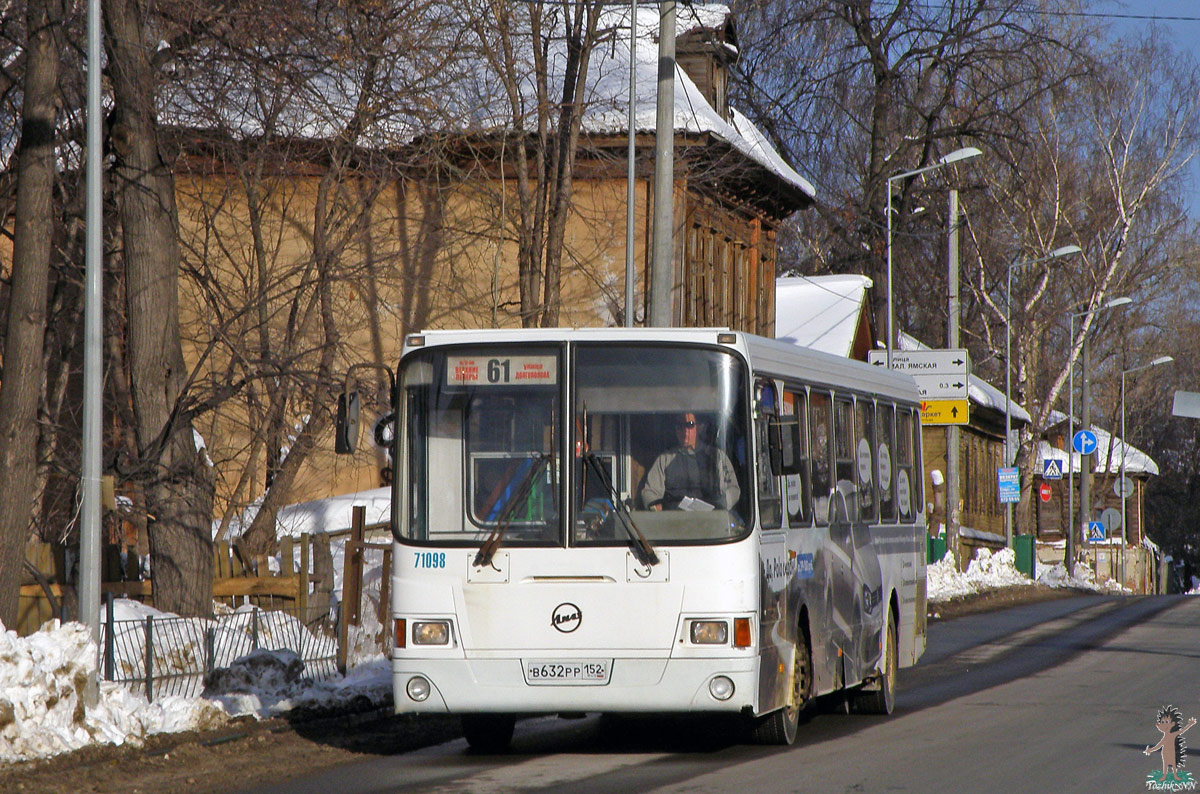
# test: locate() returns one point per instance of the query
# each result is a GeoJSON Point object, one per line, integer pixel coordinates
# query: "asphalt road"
{"type": "Point", "coordinates": [1053, 696]}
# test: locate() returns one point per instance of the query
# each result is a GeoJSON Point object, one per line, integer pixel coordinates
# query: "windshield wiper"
{"type": "Point", "coordinates": [488, 550]}
{"type": "Point", "coordinates": [637, 541]}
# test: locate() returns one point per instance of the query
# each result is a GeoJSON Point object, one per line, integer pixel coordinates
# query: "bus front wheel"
{"type": "Point", "coordinates": [488, 733]}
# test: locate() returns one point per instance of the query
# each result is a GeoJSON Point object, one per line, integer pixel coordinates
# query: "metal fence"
{"type": "Point", "coordinates": [171, 655]}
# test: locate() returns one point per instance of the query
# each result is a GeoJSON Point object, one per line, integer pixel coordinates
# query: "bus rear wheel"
{"type": "Point", "coordinates": [488, 733]}
{"type": "Point", "coordinates": [780, 727]}
{"type": "Point", "coordinates": [883, 699]}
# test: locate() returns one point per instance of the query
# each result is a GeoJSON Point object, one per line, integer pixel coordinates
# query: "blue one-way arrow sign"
{"type": "Point", "coordinates": [1084, 442]}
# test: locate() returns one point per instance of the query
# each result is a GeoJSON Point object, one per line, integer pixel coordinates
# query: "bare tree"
{"type": "Point", "coordinates": [294, 151]}
{"type": "Point", "coordinates": [523, 44]}
{"type": "Point", "coordinates": [22, 382]}
{"type": "Point", "coordinates": [858, 92]}
{"type": "Point", "coordinates": [178, 483]}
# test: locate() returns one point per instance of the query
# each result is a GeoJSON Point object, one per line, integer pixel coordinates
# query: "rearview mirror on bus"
{"type": "Point", "coordinates": [346, 432]}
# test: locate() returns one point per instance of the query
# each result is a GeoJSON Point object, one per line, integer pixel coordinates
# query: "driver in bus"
{"type": "Point", "coordinates": [691, 476]}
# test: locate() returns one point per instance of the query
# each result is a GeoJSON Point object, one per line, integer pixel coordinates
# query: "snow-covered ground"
{"type": "Point", "coordinates": [990, 571]}
{"type": "Point", "coordinates": [43, 680]}
{"type": "Point", "coordinates": [43, 677]}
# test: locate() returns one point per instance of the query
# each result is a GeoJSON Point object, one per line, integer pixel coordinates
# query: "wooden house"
{"type": "Point", "coordinates": [431, 241]}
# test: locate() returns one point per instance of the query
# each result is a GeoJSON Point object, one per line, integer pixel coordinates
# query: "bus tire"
{"type": "Point", "coordinates": [883, 699]}
{"type": "Point", "coordinates": [488, 733]}
{"type": "Point", "coordinates": [780, 727]}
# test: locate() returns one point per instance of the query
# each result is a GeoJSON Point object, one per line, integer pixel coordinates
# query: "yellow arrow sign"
{"type": "Point", "coordinates": [945, 412]}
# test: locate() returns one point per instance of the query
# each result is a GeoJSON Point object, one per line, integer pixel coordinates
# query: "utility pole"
{"type": "Point", "coordinates": [630, 194]}
{"type": "Point", "coordinates": [1085, 460]}
{"type": "Point", "coordinates": [662, 263]}
{"type": "Point", "coordinates": [93, 360]}
{"type": "Point", "coordinates": [953, 438]}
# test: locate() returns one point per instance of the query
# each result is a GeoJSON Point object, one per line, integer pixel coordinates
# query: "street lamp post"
{"type": "Point", "coordinates": [1070, 551]}
{"type": "Point", "coordinates": [954, 157]}
{"type": "Point", "coordinates": [1065, 250]}
{"type": "Point", "coordinates": [1124, 447]}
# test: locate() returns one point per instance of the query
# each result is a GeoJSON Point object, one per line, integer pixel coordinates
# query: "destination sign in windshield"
{"type": "Point", "coordinates": [501, 370]}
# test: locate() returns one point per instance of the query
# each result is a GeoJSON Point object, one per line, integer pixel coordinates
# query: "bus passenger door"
{"type": "Point", "coordinates": [868, 576]}
{"type": "Point", "coordinates": [776, 625]}
{"type": "Point", "coordinates": [843, 509]}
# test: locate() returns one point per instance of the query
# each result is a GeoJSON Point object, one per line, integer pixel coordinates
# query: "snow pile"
{"type": "Point", "coordinates": [991, 571]}
{"type": "Point", "coordinates": [987, 571]}
{"type": "Point", "coordinates": [43, 680]}
{"type": "Point", "coordinates": [268, 683]}
{"type": "Point", "coordinates": [1083, 579]}
{"type": "Point", "coordinates": [179, 643]}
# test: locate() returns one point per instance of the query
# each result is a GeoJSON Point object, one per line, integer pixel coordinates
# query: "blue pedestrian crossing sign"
{"type": "Point", "coordinates": [1095, 531]}
{"type": "Point", "coordinates": [1051, 469]}
{"type": "Point", "coordinates": [1084, 442]}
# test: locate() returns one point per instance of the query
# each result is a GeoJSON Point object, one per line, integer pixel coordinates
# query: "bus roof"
{"type": "Point", "coordinates": [766, 356]}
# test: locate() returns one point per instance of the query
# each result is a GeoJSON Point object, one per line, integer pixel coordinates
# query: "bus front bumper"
{"type": "Point", "coordinates": [634, 685]}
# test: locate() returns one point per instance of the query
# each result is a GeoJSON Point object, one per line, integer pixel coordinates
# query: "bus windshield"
{"type": "Point", "coordinates": [483, 430]}
{"type": "Point", "coordinates": [660, 440]}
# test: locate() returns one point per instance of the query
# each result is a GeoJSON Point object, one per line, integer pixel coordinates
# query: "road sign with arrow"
{"type": "Point", "coordinates": [940, 375]}
{"type": "Point", "coordinates": [945, 412]}
{"type": "Point", "coordinates": [1084, 442]}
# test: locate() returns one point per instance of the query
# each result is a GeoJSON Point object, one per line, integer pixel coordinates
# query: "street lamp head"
{"type": "Point", "coordinates": [1066, 250]}
{"type": "Point", "coordinates": [1117, 302]}
{"type": "Point", "coordinates": [965, 153]}
{"type": "Point", "coordinates": [1162, 360]}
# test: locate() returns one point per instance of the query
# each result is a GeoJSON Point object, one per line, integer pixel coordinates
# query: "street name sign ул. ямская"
{"type": "Point", "coordinates": [941, 378]}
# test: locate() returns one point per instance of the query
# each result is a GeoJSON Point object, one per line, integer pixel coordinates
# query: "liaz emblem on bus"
{"type": "Point", "coordinates": [501, 370]}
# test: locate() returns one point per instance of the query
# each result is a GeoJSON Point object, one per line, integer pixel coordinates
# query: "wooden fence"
{"type": "Point", "coordinates": [303, 586]}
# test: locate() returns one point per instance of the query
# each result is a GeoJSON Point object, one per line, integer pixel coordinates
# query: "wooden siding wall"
{"type": "Point", "coordinates": [978, 490]}
{"type": "Point", "coordinates": [728, 272]}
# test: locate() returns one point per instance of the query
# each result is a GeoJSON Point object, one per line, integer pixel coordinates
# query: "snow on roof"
{"type": "Point", "coordinates": [468, 93]}
{"type": "Point", "coordinates": [1136, 461]}
{"type": "Point", "coordinates": [979, 391]}
{"type": "Point", "coordinates": [821, 312]}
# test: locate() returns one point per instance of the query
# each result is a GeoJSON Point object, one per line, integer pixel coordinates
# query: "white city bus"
{"type": "Point", "coordinates": [550, 558]}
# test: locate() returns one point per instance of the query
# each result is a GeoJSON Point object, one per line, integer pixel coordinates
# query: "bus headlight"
{"type": "Point", "coordinates": [709, 632]}
{"type": "Point", "coordinates": [418, 688]}
{"type": "Point", "coordinates": [431, 632]}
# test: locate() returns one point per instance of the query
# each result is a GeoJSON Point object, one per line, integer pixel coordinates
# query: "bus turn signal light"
{"type": "Point", "coordinates": [401, 633]}
{"type": "Point", "coordinates": [741, 632]}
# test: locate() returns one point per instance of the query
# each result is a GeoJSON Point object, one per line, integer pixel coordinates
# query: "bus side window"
{"type": "Point", "coordinates": [770, 513]}
{"type": "Point", "coordinates": [906, 484]}
{"type": "Point", "coordinates": [799, 482]}
{"type": "Point", "coordinates": [843, 453]}
{"type": "Point", "coordinates": [820, 435]}
{"type": "Point", "coordinates": [918, 483]}
{"type": "Point", "coordinates": [886, 413]}
{"type": "Point", "coordinates": [864, 456]}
